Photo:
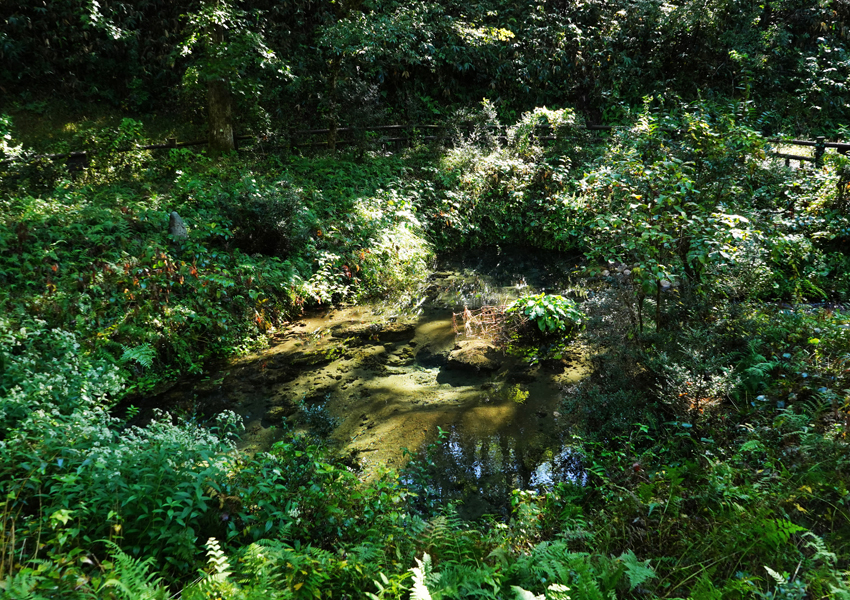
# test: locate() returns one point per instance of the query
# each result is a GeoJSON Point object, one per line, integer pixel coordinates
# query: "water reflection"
{"type": "Point", "coordinates": [480, 473]}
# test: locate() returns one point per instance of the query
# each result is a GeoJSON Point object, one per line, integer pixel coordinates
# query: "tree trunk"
{"type": "Point", "coordinates": [219, 103]}
{"type": "Point", "coordinates": [658, 305]}
{"type": "Point", "coordinates": [333, 109]}
{"type": "Point", "coordinates": [219, 107]}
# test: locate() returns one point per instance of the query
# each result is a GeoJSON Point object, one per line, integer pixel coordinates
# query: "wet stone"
{"type": "Point", "coordinates": [278, 375]}
{"type": "Point", "coordinates": [475, 355]}
{"type": "Point", "coordinates": [430, 359]}
{"type": "Point", "coordinates": [309, 359]}
{"type": "Point", "coordinates": [277, 414]}
{"type": "Point", "coordinates": [554, 365]}
{"type": "Point", "coordinates": [525, 377]}
{"type": "Point", "coordinates": [384, 332]}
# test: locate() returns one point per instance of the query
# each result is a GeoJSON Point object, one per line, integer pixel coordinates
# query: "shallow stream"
{"type": "Point", "coordinates": [378, 379]}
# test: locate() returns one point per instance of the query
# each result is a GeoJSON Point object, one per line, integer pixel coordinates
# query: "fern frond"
{"type": "Point", "coordinates": [421, 573]}
{"type": "Point", "coordinates": [142, 354]}
{"type": "Point", "coordinates": [521, 594]}
{"type": "Point", "coordinates": [218, 580]}
{"type": "Point", "coordinates": [818, 404]}
{"type": "Point", "coordinates": [217, 559]}
{"type": "Point", "coordinates": [777, 577]}
{"type": "Point", "coordinates": [821, 552]}
{"type": "Point", "coordinates": [449, 540]}
{"type": "Point", "coordinates": [133, 579]}
{"type": "Point", "coordinates": [22, 587]}
{"type": "Point", "coordinates": [636, 570]}
{"type": "Point", "coordinates": [367, 553]}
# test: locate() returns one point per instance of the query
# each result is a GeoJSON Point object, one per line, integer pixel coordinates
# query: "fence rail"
{"type": "Point", "coordinates": [80, 158]}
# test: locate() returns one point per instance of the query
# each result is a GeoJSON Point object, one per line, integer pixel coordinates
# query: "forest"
{"type": "Point", "coordinates": [185, 184]}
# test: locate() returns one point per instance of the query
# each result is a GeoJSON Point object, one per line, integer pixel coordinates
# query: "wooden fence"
{"type": "Point", "coordinates": [398, 135]}
{"type": "Point", "coordinates": [820, 145]}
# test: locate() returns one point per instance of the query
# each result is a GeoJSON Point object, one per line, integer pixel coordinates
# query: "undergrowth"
{"type": "Point", "coordinates": [712, 433]}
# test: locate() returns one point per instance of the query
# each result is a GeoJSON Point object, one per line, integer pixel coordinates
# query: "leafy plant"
{"type": "Point", "coordinates": [318, 419]}
{"type": "Point", "coordinates": [551, 313]}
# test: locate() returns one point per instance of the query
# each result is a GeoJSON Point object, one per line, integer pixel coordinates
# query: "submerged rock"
{"type": "Point", "coordinates": [430, 359]}
{"type": "Point", "coordinates": [384, 332]}
{"type": "Point", "coordinates": [475, 355]}
{"type": "Point", "coordinates": [277, 414]}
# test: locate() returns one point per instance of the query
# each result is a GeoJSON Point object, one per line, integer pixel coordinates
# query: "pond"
{"type": "Point", "coordinates": [381, 379]}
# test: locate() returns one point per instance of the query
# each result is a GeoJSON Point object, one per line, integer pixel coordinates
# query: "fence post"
{"type": "Point", "coordinates": [820, 149]}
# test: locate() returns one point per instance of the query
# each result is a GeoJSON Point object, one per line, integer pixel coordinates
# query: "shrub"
{"type": "Point", "coordinates": [551, 313]}
{"type": "Point", "coordinates": [74, 474]}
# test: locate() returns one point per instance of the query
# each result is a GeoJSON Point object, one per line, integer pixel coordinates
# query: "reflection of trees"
{"type": "Point", "coordinates": [489, 468]}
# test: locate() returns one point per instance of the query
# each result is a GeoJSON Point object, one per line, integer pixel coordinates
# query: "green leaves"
{"type": "Point", "coordinates": [551, 313]}
{"type": "Point", "coordinates": [638, 571]}
{"type": "Point", "coordinates": [143, 354]}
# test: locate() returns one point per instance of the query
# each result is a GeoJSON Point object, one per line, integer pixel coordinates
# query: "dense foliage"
{"type": "Point", "coordinates": [782, 61]}
{"type": "Point", "coordinates": [712, 433]}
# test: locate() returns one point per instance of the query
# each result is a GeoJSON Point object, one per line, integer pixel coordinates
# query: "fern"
{"type": "Point", "coordinates": [469, 581]}
{"type": "Point", "coordinates": [521, 594]}
{"type": "Point", "coordinates": [216, 582]}
{"type": "Point", "coordinates": [142, 354]}
{"type": "Point", "coordinates": [777, 577]}
{"type": "Point", "coordinates": [448, 539]}
{"type": "Point", "coordinates": [422, 573]}
{"type": "Point", "coordinates": [217, 559]}
{"type": "Point", "coordinates": [585, 582]}
{"type": "Point", "coordinates": [821, 552]}
{"type": "Point", "coordinates": [840, 593]}
{"type": "Point", "coordinates": [820, 404]}
{"type": "Point", "coordinates": [132, 578]}
{"type": "Point", "coordinates": [261, 561]}
{"type": "Point", "coordinates": [637, 571]}
{"type": "Point", "coordinates": [777, 532]}
{"type": "Point", "coordinates": [123, 229]}
{"type": "Point", "coordinates": [21, 586]}
{"type": "Point", "coordinates": [757, 367]}
{"type": "Point", "coordinates": [367, 552]}
{"type": "Point", "coordinates": [558, 592]}
{"type": "Point", "coordinates": [589, 578]}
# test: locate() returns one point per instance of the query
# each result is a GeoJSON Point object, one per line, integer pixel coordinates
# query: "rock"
{"type": "Point", "coordinates": [521, 377]}
{"type": "Point", "coordinates": [430, 359]}
{"type": "Point", "coordinates": [384, 332]}
{"type": "Point", "coordinates": [310, 359]}
{"type": "Point", "coordinates": [281, 375]}
{"type": "Point", "coordinates": [554, 365]}
{"type": "Point", "coordinates": [177, 227]}
{"type": "Point", "coordinates": [277, 414]}
{"type": "Point", "coordinates": [475, 355]}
